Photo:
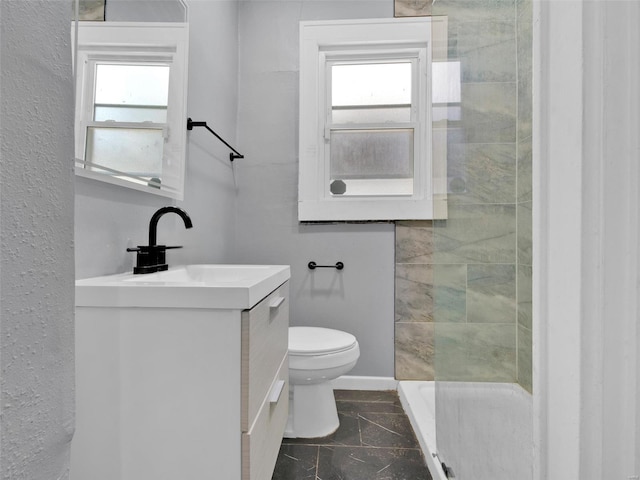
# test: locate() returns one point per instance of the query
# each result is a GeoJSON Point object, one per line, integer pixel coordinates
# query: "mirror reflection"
{"type": "Point", "coordinates": [129, 120]}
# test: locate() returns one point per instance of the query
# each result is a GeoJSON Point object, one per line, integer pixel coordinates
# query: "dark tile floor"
{"type": "Point", "coordinates": [375, 441]}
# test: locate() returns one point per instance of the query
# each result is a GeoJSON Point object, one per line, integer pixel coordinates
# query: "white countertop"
{"type": "Point", "coordinates": [186, 286]}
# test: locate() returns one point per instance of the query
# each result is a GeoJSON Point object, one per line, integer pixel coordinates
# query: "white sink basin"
{"type": "Point", "coordinates": [193, 286]}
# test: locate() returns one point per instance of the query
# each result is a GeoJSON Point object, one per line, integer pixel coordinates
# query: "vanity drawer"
{"type": "Point", "coordinates": [265, 338]}
{"type": "Point", "coordinates": [260, 446]}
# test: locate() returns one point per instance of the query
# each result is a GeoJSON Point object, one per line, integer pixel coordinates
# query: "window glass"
{"type": "Point", "coordinates": [135, 151]}
{"type": "Point", "coordinates": [371, 92]}
{"type": "Point", "coordinates": [445, 83]}
{"type": "Point", "coordinates": [131, 93]}
{"type": "Point", "coordinates": [132, 84]}
{"type": "Point", "coordinates": [382, 155]}
{"type": "Point", "coordinates": [446, 92]}
{"type": "Point", "coordinates": [127, 113]}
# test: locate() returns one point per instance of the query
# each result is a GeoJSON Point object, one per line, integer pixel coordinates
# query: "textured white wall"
{"type": "Point", "coordinates": [360, 299]}
{"type": "Point", "coordinates": [36, 228]}
{"type": "Point", "coordinates": [110, 218]}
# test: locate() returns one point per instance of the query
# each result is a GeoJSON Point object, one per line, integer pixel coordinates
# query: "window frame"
{"type": "Point", "coordinates": [324, 43]}
{"type": "Point", "coordinates": [134, 43]}
{"type": "Point", "coordinates": [417, 123]}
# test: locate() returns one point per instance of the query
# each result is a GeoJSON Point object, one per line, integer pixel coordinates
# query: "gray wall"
{"type": "Point", "coordinates": [111, 218]}
{"type": "Point", "coordinates": [360, 298]}
{"type": "Point", "coordinates": [36, 228]}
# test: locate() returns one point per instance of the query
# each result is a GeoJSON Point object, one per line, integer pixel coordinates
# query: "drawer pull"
{"type": "Point", "coordinates": [276, 302]}
{"type": "Point", "coordinates": [276, 391]}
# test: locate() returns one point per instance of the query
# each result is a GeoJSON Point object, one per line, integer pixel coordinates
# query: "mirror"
{"type": "Point", "coordinates": [131, 82]}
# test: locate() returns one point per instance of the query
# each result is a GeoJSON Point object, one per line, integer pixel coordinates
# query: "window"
{"type": "Point", "coordinates": [365, 120]}
{"type": "Point", "coordinates": [130, 105]}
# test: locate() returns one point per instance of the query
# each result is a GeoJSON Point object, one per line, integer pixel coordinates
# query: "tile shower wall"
{"type": "Point", "coordinates": [468, 279]}
{"type": "Point", "coordinates": [524, 29]}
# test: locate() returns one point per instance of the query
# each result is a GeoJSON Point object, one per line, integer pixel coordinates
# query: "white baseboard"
{"type": "Point", "coordinates": [352, 382]}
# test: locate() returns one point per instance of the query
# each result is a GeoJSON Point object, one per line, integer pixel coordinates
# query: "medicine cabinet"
{"type": "Point", "coordinates": [131, 92]}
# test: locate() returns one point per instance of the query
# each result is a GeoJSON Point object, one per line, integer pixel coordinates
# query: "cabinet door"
{"type": "Point", "coordinates": [261, 444]}
{"type": "Point", "coordinates": [265, 341]}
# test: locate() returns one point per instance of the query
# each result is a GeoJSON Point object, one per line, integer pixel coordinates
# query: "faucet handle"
{"type": "Point", "coordinates": [172, 247]}
{"type": "Point", "coordinates": [130, 249]}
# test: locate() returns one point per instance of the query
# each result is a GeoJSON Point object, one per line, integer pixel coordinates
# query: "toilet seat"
{"type": "Point", "coordinates": [312, 341]}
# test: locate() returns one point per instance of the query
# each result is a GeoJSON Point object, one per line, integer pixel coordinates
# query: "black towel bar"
{"type": "Point", "coordinates": [313, 265]}
{"type": "Point", "coordinates": [232, 156]}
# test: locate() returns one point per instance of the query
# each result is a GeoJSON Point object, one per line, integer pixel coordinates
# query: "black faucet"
{"type": "Point", "coordinates": [152, 258]}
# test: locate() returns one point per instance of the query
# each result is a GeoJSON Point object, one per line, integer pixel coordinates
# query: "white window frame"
{"type": "Point", "coordinates": [324, 42]}
{"type": "Point", "coordinates": [136, 43]}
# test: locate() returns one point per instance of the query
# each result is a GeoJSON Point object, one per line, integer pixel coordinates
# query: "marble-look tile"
{"type": "Point", "coordinates": [386, 430]}
{"type": "Point", "coordinates": [476, 234]}
{"type": "Point", "coordinates": [520, 4]}
{"type": "Point", "coordinates": [412, 8]}
{"type": "Point", "coordinates": [481, 173]}
{"type": "Point", "coordinates": [524, 36]}
{"type": "Point", "coordinates": [491, 293]}
{"type": "Point", "coordinates": [414, 242]}
{"type": "Point", "coordinates": [414, 351]}
{"type": "Point", "coordinates": [525, 296]}
{"type": "Point", "coordinates": [367, 396]}
{"type": "Point", "coordinates": [450, 293]}
{"type": "Point", "coordinates": [342, 463]}
{"type": "Point", "coordinates": [352, 401]}
{"type": "Point", "coordinates": [455, 136]}
{"type": "Point", "coordinates": [347, 434]}
{"type": "Point", "coordinates": [487, 50]}
{"type": "Point", "coordinates": [475, 352]}
{"type": "Point", "coordinates": [296, 462]}
{"type": "Point", "coordinates": [475, 10]}
{"type": "Point", "coordinates": [524, 26]}
{"type": "Point", "coordinates": [489, 112]}
{"type": "Point", "coordinates": [525, 183]}
{"type": "Point", "coordinates": [525, 106]}
{"type": "Point", "coordinates": [524, 17]}
{"type": "Point", "coordinates": [350, 406]}
{"type": "Point", "coordinates": [525, 356]}
{"type": "Point", "coordinates": [525, 229]}
{"type": "Point", "coordinates": [326, 458]}
{"type": "Point", "coordinates": [414, 293]}
{"type": "Point", "coordinates": [91, 10]}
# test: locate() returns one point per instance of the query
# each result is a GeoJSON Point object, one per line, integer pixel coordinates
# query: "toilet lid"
{"type": "Point", "coordinates": [316, 340]}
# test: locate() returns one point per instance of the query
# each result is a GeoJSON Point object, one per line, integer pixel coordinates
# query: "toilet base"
{"type": "Point", "coordinates": [312, 411]}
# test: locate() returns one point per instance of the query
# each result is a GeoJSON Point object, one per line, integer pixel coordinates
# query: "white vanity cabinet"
{"type": "Point", "coordinates": [265, 383]}
{"type": "Point", "coordinates": [179, 392]}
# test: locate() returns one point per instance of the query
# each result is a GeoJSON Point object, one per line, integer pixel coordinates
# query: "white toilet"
{"type": "Point", "coordinates": [316, 356]}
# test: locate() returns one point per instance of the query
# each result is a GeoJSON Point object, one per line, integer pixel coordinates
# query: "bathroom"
{"type": "Point", "coordinates": [246, 213]}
